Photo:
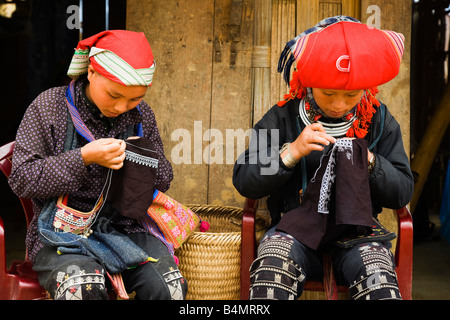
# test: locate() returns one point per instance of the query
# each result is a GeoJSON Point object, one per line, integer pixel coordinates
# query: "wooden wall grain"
{"type": "Point", "coordinates": [395, 15]}
{"type": "Point", "coordinates": [202, 87]}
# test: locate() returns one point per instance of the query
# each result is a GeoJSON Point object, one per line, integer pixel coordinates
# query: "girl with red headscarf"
{"type": "Point", "coordinates": [340, 160]}
{"type": "Point", "coordinates": [79, 243]}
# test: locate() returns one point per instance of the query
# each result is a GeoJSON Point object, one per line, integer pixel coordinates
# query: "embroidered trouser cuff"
{"type": "Point", "coordinates": [274, 275]}
{"type": "Point", "coordinates": [79, 277]}
{"type": "Point", "coordinates": [283, 264]}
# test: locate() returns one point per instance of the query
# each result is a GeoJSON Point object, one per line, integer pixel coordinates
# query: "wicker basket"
{"type": "Point", "coordinates": [210, 261]}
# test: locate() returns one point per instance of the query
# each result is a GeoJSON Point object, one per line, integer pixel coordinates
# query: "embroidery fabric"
{"type": "Point", "coordinates": [140, 159]}
{"type": "Point", "coordinates": [174, 281]}
{"type": "Point", "coordinates": [336, 200]}
{"type": "Point", "coordinates": [132, 186]}
{"type": "Point", "coordinates": [77, 286]}
{"type": "Point", "coordinates": [70, 220]}
{"type": "Point", "coordinates": [329, 176]}
{"type": "Point", "coordinates": [175, 221]}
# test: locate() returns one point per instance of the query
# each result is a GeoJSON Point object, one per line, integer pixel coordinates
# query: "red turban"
{"type": "Point", "coordinates": [342, 53]}
{"type": "Point", "coordinates": [122, 56]}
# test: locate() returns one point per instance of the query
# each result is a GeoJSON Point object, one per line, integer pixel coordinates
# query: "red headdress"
{"type": "Point", "coordinates": [119, 55]}
{"type": "Point", "coordinates": [342, 53]}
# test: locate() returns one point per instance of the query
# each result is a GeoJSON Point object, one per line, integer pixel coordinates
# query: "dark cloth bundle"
{"type": "Point", "coordinates": [337, 198]}
{"type": "Point", "coordinates": [132, 186]}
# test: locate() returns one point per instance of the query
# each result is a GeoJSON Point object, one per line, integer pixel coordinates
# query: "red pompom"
{"type": "Point", "coordinates": [204, 226]}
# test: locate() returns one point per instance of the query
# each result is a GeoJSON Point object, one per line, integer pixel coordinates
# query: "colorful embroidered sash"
{"type": "Point", "coordinates": [70, 220]}
{"type": "Point", "coordinates": [175, 221]}
{"type": "Point", "coordinates": [76, 118]}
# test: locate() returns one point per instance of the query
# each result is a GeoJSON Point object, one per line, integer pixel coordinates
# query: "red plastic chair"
{"type": "Point", "coordinates": [19, 282]}
{"type": "Point", "coordinates": [403, 254]}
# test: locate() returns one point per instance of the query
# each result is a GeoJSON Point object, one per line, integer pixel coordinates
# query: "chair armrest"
{"type": "Point", "coordinates": [2, 250]}
{"type": "Point", "coordinates": [248, 245]}
{"type": "Point", "coordinates": [27, 206]}
{"type": "Point", "coordinates": [404, 252]}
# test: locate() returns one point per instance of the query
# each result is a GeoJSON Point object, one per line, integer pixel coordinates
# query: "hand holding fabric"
{"type": "Point", "coordinates": [313, 137]}
{"type": "Point", "coordinates": [109, 153]}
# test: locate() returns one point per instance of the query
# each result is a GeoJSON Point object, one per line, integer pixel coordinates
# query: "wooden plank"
{"type": "Point", "coordinates": [396, 93]}
{"type": "Point", "coordinates": [231, 112]}
{"type": "Point", "coordinates": [308, 14]}
{"type": "Point", "coordinates": [352, 8]}
{"type": "Point", "coordinates": [331, 1]}
{"type": "Point", "coordinates": [261, 75]}
{"type": "Point", "coordinates": [328, 9]}
{"type": "Point", "coordinates": [181, 36]}
{"type": "Point", "coordinates": [283, 30]}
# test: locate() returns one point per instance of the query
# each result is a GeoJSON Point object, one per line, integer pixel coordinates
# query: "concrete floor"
{"type": "Point", "coordinates": [431, 266]}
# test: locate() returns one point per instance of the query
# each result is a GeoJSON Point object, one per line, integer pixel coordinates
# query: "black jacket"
{"type": "Point", "coordinates": [391, 181]}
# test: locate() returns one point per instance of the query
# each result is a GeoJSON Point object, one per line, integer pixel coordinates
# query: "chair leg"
{"type": "Point", "coordinates": [404, 252]}
{"type": "Point", "coordinates": [248, 245]}
{"type": "Point", "coordinates": [329, 282]}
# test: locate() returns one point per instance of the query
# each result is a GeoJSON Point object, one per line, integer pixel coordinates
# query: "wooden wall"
{"type": "Point", "coordinates": [202, 87]}
{"type": "Point", "coordinates": [216, 70]}
{"type": "Point", "coordinates": [396, 15]}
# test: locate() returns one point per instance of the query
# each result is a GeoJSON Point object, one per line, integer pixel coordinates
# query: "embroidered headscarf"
{"type": "Point", "coordinates": [344, 54]}
{"type": "Point", "coordinates": [122, 56]}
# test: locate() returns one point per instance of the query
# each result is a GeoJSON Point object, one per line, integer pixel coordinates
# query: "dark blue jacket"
{"type": "Point", "coordinates": [391, 181]}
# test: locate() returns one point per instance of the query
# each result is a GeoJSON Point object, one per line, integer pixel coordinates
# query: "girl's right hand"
{"type": "Point", "coordinates": [109, 153]}
{"type": "Point", "coordinates": [313, 137]}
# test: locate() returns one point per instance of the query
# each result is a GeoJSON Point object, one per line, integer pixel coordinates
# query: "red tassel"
{"type": "Point", "coordinates": [360, 133]}
{"type": "Point", "coordinates": [296, 90]}
{"type": "Point", "coordinates": [350, 133]}
{"type": "Point", "coordinates": [364, 112]}
{"type": "Point", "coordinates": [177, 261]}
{"type": "Point", "coordinates": [204, 226]}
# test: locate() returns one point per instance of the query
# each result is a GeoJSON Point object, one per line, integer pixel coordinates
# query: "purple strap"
{"type": "Point", "coordinates": [76, 118]}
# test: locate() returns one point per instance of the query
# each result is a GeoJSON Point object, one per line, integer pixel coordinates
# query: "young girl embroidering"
{"type": "Point", "coordinates": [341, 160]}
{"type": "Point", "coordinates": [67, 138]}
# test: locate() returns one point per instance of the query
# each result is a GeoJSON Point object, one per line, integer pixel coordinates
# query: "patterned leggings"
{"type": "Point", "coordinates": [78, 277]}
{"type": "Point", "coordinates": [283, 264]}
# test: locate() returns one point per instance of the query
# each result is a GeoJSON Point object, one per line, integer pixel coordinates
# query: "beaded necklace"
{"type": "Point", "coordinates": [338, 129]}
